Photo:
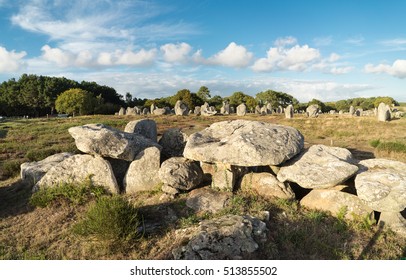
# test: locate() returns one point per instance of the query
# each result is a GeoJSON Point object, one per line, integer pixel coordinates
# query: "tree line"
{"type": "Point", "coordinates": [35, 96]}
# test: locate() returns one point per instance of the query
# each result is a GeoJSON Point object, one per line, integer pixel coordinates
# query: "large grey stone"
{"type": "Point", "coordinates": [223, 176]}
{"type": "Point", "coordinates": [266, 185]}
{"type": "Point", "coordinates": [395, 221]}
{"type": "Point", "coordinates": [173, 142]}
{"type": "Point", "coordinates": [181, 108]}
{"type": "Point", "coordinates": [289, 111]}
{"type": "Point", "coordinates": [208, 200]}
{"type": "Point", "coordinates": [206, 110]}
{"type": "Point", "coordinates": [312, 111]}
{"type": "Point", "coordinates": [105, 141]}
{"type": "Point", "coordinates": [241, 110]}
{"type": "Point", "coordinates": [244, 143]}
{"type": "Point", "coordinates": [383, 113]}
{"type": "Point", "coordinates": [77, 169]}
{"type": "Point", "coordinates": [142, 175]}
{"type": "Point", "coordinates": [32, 172]}
{"type": "Point", "coordinates": [144, 127]}
{"type": "Point", "coordinates": [335, 202]}
{"type": "Point", "coordinates": [320, 167]}
{"type": "Point", "coordinates": [381, 184]}
{"type": "Point", "coordinates": [181, 173]}
{"type": "Point", "coordinates": [227, 237]}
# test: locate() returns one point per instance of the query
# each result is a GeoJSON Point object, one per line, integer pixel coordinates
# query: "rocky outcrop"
{"type": "Point", "coordinates": [173, 142]}
{"type": "Point", "coordinates": [266, 185]}
{"type": "Point", "coordinates": [77, 169]}
{"type": "Point", "coordinates": [381, 184]}
{"type": "Point", "coordinates": [105, 141]}
{"type": "Point", "coordinates": [337, 203]}
{"type": "Point", "coordinates": [142, 174]}
{"type": "Point", "coordinates": [181, 173]}
{"type": "Point", "coordinates": [244, 143]}
{"type": "Point", "coordinates": [228, 237]}
{"type": "Point", "coordinates": [144, 127]}
{"type": "Point", "coordinates": [32, 172]}
{"type": "Point", "coordinates": [320, 167]}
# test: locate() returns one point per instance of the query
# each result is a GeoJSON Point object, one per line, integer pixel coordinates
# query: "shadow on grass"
{"type": "Point", "coordinates": [361, 155]}
{"type": "Point", "coordinates": [14, 199]}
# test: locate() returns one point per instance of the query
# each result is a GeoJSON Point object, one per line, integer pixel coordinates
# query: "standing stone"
{"type": "Point", "coordinates": [153, 107]}
{"type": "Point", "coordinates": [122, 111]}
{"type": "Point", "coordinates": [145, 111]}
{"type": "Point", "coordinates": [206, 110]}
{"type": "Point", "coordinates": [241, 110]}
{"type": "Point", "coordinates": [264, 110]}
{"type": "Point", "coordinates": [144, 127]}
{"type": "Point", "coordinates": [105, 141]}
{"type": "Point", "coordinates": [258, 110]}
{"type": "Point", "coordinates": [312, 111]}
{"type": "Point", "coordinates": [269, 109]}
{"type": "Point", "coordinates": [181, 173]}
{"type": "Point", "coordinates": [32, 172]}
{"type": "Point", "coordinates": [383, 112]}
{"type": "Point", "coordinates": [79, 168]}
{"type": "Point", "coordinates": [341, 112]}
{"type": "Point", "coordinates": [381, 184]}
{"type": "Point", "coordinates": [244, 143]}
{"type": "Point", "coordinates": [280, 109]}
{"type": "Point", "coordinates": [358, 112]}
{"type": "Point", "coordinates": [225, 109]}
{"type": "Point", "coordinates": [352, 110]}
{"type": "Point", "coordinates": [266, 185]}
{"type": "Point", "coordinates": [173, 142]}
{"type": "Point", "coordinates": [181, 108]}
{"type": "Point", "coordinates": [197, 110]}
{"type": "Point", "coordinates": [335, 202]}
{"type": "Point", "coordinates": [320, 167]}
{"type": "Point", "coordinates": [160, 111]}
{"type": "Point", "coordinates": [289, 111]}
{"type": "Point", "coordinates": [142, 175]}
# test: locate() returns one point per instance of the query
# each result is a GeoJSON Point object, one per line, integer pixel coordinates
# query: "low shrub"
{"type": "Point", "coordinates": [110, 218]}
{"type": "Point", "coordinates": [72, 193]}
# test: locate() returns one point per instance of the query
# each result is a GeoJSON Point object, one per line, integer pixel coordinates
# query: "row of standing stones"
{"type": "Point", "coordinates": [267, 159]}
{"type": "Point", "coordinates": [383, 112]}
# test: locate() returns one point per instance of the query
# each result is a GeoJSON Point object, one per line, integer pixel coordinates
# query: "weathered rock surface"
{"type": "Point", "coordinates": [352, 110]}
{"type": "Point", "coordinates": [395, 221]}
{"type": "Point", "coordinates": [289, 112]}
{"type": "Point", "coordinates": [227, 237]}
{"type": "Point", "coordinates": [160, 111]}
{"type": "Point", "coordinates": [335, 201]}
{"type": "Point", "coordinates": [312, 111]}
{"type": "Point", "coordinates": [383, 113]}
{"type": "Point", "coordinates": [173, 142]}
{"type": "Point", "coordinates": [223, 176]}
{"type": "Point", "coordinates": [241, 110]}
{"type": "Point", "coordinates": [32, 172]}
{"type": "Point", "coordinates": [142, 175]}
{"type": "Point", "coordinates": [381, 184]}
{"type": "Point", "coordinates": [120, 168]}
{"type": "Point", "coordinates": [144, 127]}
{"type": "Point", "coordinates": [105, 141]}
{"type": "Point", "coordinates": [77, 169]}
{"type": "Point", "coordinates": [181, 173]}
{"type": "Point", "coordinates": [320, 167]}
{"type": "Point", "coordinates": [206, 110]}
{"type": "Point", "coordinates": [207, 199]}
{"type": "Point", "coordinates": [266, 185]}
{"type": "Point", "coordinates": [181, 108]}
{"type": "Point", "coordinates": [244, 143]}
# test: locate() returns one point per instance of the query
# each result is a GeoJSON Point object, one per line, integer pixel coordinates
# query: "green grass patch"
{"type": "Point", "coordinates": [396, 147]}
{"type": "Point", "coordinates": [72, 193]}
{"type": "Point", "coordinates": [112, 219]}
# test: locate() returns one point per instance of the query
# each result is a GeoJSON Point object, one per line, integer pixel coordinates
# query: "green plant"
{"type": "Point", "coordinates": [73, 193]}
{"type": "Point", "coordinates": [374, 143]}
{"type": "Point", "coordinates": [112, 219]}
{"type": "Point", "coordinates": [11, 168]}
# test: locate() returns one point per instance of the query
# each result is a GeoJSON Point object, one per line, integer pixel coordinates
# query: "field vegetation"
{"type": "Point", "coordinates": [83, 222]}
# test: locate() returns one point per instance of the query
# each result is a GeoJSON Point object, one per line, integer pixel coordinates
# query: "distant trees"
{"type": "Point", "coordinates": [75, 101]}
{"type": "Point", "coordinates": [203, 93]}
{"type": "Point", "coordinates": [276, 99]}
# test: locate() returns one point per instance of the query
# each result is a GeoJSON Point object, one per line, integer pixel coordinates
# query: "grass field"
{"type": "Point", "coordinates": [32, 231]}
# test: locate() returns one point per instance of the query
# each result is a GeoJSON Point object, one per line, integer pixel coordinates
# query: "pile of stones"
{"type": "Point", "coordinates": [211, 164]}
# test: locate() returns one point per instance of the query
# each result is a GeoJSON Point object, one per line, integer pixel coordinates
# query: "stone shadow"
{"type": "Point", "coordinates": [14, 199]}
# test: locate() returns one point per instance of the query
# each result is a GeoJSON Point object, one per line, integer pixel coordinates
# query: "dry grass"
{"type": "Point", "coordinates": [28, 232]}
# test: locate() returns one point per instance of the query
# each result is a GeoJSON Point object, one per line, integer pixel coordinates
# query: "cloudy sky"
{"type": "Point", "coordinates": [324, 49]}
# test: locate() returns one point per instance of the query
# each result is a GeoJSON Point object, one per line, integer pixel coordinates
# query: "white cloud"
{"type": "Point", "coordinates": [10, 61]}
{"type": "Point", "coordinates": [397, 69]}
{"type": "Point", "coordinates": [323, 41]}
{"type": "Point", "coordinates": [285, 41]}
{"type": "Point", "coordinates": [296, 58]}
{"type": "Point", "coordinates": [140, 58]}
{"type": "Point", "coordinates": [176, 52]}
{"type": "Point", "coordinates": [232, 56]}
{"type": "Point", "coordinates": [397, 42]}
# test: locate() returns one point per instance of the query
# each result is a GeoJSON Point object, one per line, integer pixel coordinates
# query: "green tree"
{"type": "Point", "coordinates": [386, 99]}
{"type": "Point", "coordinates": [343, 105]}
{"type": "Point", "coordinates": [276, 99]}
{"type": "Point", "coordinates": [204, 93]}
{"type": "Point", "coordinates": [76, 102]}
{"type": "Point", "coordinates": [185, 95]}
{"type": "Point", "coordinates": [321, 105]}
{"type": "Point", "coordinates": [216, 101]}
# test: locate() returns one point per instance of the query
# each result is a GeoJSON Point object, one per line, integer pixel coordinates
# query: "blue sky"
{"type": "Point", "coordinates": [329, 50]}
